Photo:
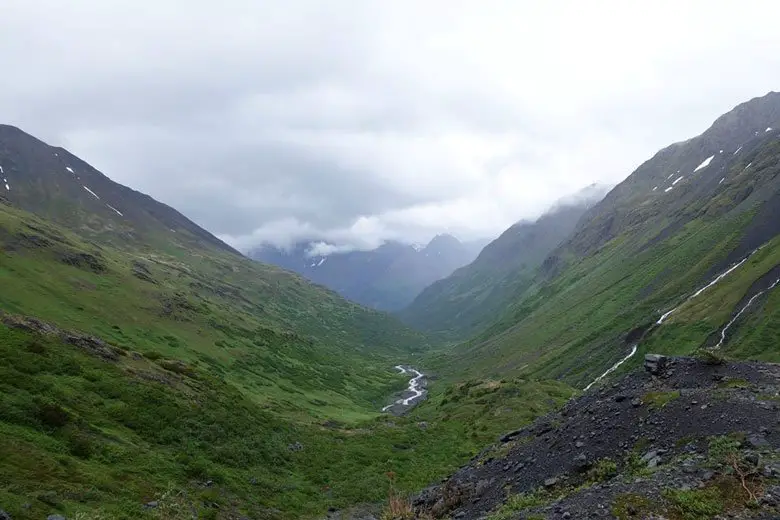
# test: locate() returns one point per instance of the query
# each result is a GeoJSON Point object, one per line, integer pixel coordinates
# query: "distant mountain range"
{"type": "Point", "coordinates": [386, 278]}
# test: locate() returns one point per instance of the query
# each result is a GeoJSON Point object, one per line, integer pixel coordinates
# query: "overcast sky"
{"type": "Point", "coordinates": [361, 121]}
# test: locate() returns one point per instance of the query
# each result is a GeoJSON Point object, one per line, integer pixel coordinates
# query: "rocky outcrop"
{"type": "Point", "coordinates": [81, 260]}
{"type": "Point", "coordinates": [142, 272]}
{"type": "Point", "coordinates": [647, 437]}
{"type": "Point", "coordinates": [90, 344]}
{"type": "Point", "coordinates": [655, 363]}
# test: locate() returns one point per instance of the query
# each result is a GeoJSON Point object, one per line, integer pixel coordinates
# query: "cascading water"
{"type": "Point", "coordinates": [663, 317]}
{"type": "Point", "coordinates": [741, 311]}
{"type": "Point", "coordinates": [414, 387]}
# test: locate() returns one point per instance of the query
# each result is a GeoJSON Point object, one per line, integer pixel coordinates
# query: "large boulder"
{"type": "Point", "coordinates": [655, 363]}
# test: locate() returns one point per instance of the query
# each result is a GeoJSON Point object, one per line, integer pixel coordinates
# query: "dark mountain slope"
{"type": "Point", "coordinates": [700, 162]}
{"type": "Point", "coordinates": [386, 278]}
{"type": "Point", "coordinates": [475, 295]}
{"type": "Point", "coordinates": [55, 184]}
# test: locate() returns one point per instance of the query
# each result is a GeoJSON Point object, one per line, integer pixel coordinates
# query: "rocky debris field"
{"type": "Point", "coordinates": [685, 439]}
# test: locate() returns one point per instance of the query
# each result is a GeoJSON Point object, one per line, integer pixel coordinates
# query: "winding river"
{"type": "Point", "coordinates": [413, 393]}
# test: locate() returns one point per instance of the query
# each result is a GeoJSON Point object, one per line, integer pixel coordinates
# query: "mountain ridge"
{"type": "Point", "coordinates": [680, 218]}
{"type": "Point", "coordinates": [386, 278]}
{"type": "Point", "coordinates": [67, 229]}
{"type": "Point", "coordinates": [475, 294]}
{"type": "Point", "coordinates": [54, 183]}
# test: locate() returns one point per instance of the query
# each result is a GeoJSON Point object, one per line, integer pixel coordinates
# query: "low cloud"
{"type": "Point", "coordinates": [284, 121]}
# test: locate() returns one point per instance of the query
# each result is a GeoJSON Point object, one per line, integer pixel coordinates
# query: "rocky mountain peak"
{"type": "Point", "coordinates": [443, 241]}
{"type": "Point", "coordinates": [746, 120]}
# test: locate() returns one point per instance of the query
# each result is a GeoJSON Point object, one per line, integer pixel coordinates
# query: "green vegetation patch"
{"type": "Point", "coordinates": [696, 504]}
{"type": "Point", "coordinates": [521, 502]}
{"type": "Point", "coordinates": [657, 400]}
{"type": "Point", "coordinates": [629, 506]}
{"type": "Point", "coordinates": [80, 435]}
{"type": "Point", "coordinates": [603, 470]}
{"type": "Point", "coordinates": [735, 382]}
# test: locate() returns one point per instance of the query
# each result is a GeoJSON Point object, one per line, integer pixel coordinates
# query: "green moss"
{"type": "Point", "coordinates": [520, 502]}
{"type": "Point", "coordinates": [629, 505]}
{"type": "Point", "coordinates": [722, 448]}
{"type": "Point", "coordinates": [658, 400]}
{"type": "Point", "coordinates": [635, 466]}
{"type": "Point", "coordinates": [684, 441]}
{"type": "Point", "coordinates": [735, 382]}
{"type": "Point", "coordinates": [603, 470]}
{"type": "Point", "coordinates": [695, 504]}
{"type": "Point", "coordinates": [710, 357]}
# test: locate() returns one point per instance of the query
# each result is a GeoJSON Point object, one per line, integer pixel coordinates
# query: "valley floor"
{"type": "Point", "coordinates": [89, 430]}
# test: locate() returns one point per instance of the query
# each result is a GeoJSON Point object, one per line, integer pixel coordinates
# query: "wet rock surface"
{"type": "Point", "coordinates": [656, 426]}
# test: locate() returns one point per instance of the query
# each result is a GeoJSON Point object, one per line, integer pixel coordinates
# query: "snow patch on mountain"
{"type": "Point", "coordinates": [112, 208]}
{"type": "Point", "coordinates": [91, 192]}
{"type": "Point", "coordinates": [704, 163]}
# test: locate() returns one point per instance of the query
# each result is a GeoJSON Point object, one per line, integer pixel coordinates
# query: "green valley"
{"type": "Point", "coordinates": [149, 370]}
{"type": "Point", "coordinates": [145, 362]}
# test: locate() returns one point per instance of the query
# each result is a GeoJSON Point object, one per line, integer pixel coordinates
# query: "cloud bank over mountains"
{"type": "Point", "coordinates": [364, 121]}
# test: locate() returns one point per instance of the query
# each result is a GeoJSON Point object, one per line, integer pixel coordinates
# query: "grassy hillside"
{"type": "Point", "coordinates": [472, 297]}
{"type": "Point", "coordinates": [605, 288]}
{"type": "Point", "coordinates": [281, 340]}
{"type": "Point", "coordinates": [80, 435]}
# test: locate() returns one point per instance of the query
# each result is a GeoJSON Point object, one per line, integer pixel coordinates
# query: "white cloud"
{"type": "Point", "coordinates": [361, 121]}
